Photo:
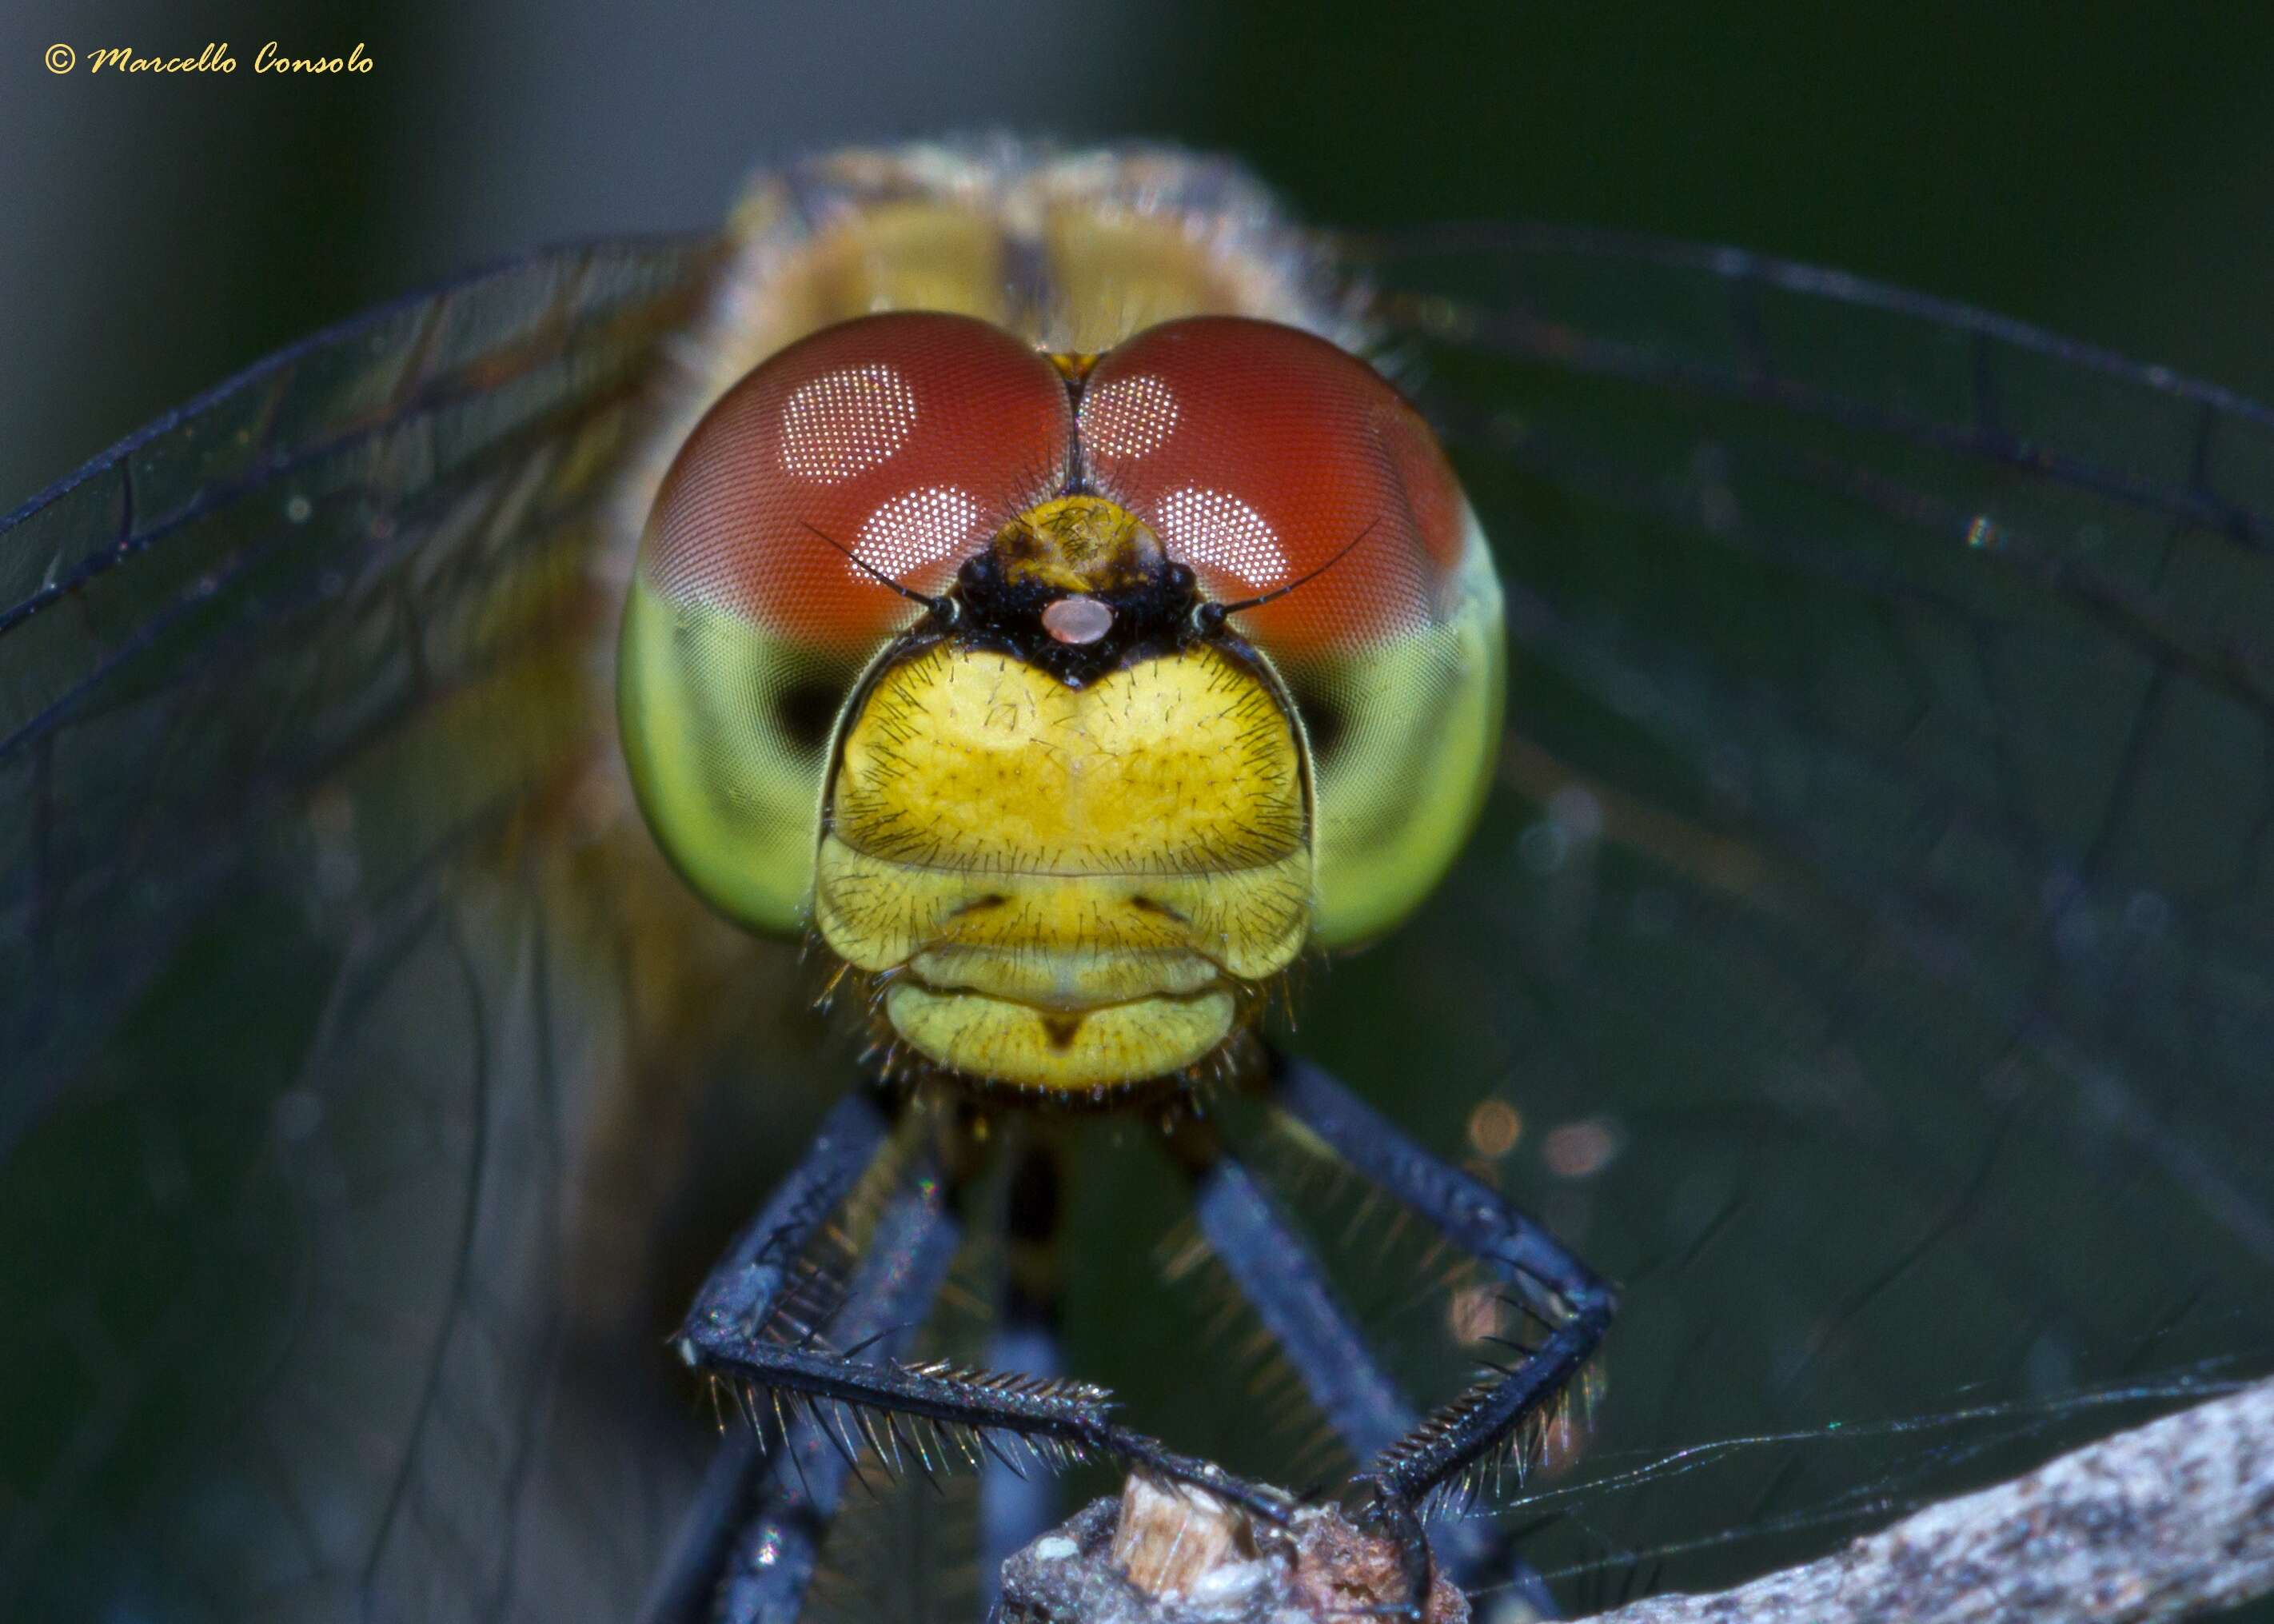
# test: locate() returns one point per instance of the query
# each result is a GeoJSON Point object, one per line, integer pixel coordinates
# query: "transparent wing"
{"type": "Point", "coordinates": [226, 603]}
{"type": "Point", "coordinates": [353, 1044]}
{"type": "Point", "coordinates": [1872, 938]}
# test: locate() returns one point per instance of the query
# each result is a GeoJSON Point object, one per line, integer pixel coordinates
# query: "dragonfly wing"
{"type": "Point", "coordinates": [1882, 862]}
{"type": "Point", "coordinates": [325, 986]}
{"type": "Point", "coordinates": [229, 602]}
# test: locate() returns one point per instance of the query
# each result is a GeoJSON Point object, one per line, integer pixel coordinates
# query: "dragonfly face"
{"type": "Point", "coordinates": [1070, 821]}
{"type": "Point", "coordinates": [1860, 950]}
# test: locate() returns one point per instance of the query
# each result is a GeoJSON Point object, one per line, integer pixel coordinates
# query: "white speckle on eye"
{"type": "Point", "coordinates": [297, 507]}
{"type": "Point", "coordinates": [916, 527]}
{"type": "Point", "coordinates": [1216, 528]}
{"type": "Point", "coordinates": [846, 422]}
{"type": "Point", "coordinates": [1128, 417]}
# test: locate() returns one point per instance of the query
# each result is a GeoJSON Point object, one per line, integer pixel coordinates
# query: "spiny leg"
{"type": "Point", "coordinates": [767, 1504]}
{"type": "Point", "coordinates": [773, 1557]}
{"type": "Point", "coordinates": [1281, 1281]}
{"type": "Point", "coordinates": [745, 1286]}
{"type": "Point", "coordinates": [855, 1379]}
{"type": "Point", "coordinates": [1284, 1283]}
{"type": "Point", "coordinates": [1552, 1281]}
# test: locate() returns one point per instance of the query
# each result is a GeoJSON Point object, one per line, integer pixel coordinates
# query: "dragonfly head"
{"type": "Point", "coordinates": [1069, 699]}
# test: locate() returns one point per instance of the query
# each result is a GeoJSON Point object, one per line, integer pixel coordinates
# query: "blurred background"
{"type": "Point", "coordinates": [2097, 166]}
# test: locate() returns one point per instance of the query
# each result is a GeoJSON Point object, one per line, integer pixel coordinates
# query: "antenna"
{"type": "Point", "coordinates": [942, 607]}
{"type": "Point", "coordinates": [1211, 615]}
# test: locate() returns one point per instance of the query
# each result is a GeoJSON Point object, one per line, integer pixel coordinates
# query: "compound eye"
{"type": "Point", "coordinates": [905, 440]}
{"type": "Point", "coordinates": [1257, 453]}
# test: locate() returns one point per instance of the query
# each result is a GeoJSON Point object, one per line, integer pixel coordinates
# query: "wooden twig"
{"type": "Point", "coordinates": [2165, 1521]}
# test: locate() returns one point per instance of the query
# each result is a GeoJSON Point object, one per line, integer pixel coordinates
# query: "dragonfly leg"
{"type": "Point", "coordinates": [1276, 1272]}
{"type": "Point", "coordinates": [774, 1552]}
{"type": "Point", "coordinates": [751, 1544]}
{"type": "Point", "coordinates": [737, 1496]}
{"type": "Point", "coordinates": [1441, 1450]}
{"type": "Point", "coordinates": [747, 1282]}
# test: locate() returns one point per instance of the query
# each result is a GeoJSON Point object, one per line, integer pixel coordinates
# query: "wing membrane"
{"type": "Point", "coordinates": [229, 602]}
{"type": "Point", "coordinates": [1886, 858]}
{"type": "Point", "coordinates": [343, 1022]}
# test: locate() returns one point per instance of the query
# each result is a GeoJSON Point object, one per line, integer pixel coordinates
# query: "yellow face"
{"type": "Point", "coordinates": [1077, 886]}
{"type": "Point", "coordinates": [1069, 704]}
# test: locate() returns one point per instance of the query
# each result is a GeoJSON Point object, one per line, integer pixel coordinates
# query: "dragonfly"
{"type": "Point", "coordinates": [1853, 939]}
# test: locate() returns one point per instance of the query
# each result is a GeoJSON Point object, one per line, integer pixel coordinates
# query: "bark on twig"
{"type": "Point", "coordinates": [1167, 1554]}
{"type": "Point", "coordinates": [2166, 1521]}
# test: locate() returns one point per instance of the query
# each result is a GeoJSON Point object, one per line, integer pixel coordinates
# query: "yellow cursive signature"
{"type": "Point", "coordinates": [214, 58]}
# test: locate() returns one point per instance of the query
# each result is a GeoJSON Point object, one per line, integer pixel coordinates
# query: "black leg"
{"type": "Point", "coordinates": [1281, 1281]}
{"type": "Point", "coordinates": [688, 1578]}
{"type": "Point", "coordinates": [754, 1276]}
{"type": "Point", "coordinates": [751, 1545]}
{"type": "Point", "coordinates": [746, 1286]}
{"type": "Point", "coordinates": [1276, 1272]}
{"type": "Point", "coordinates": [774, 1556]}
{"type": "Point", "coordinates": [1465, 1434]}
{"type": "Point", "coordinates": [1072, 1418]}
{"type": "Point", "coordinates": [828, 1388]}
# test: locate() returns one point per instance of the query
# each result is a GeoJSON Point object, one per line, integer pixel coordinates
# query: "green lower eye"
{"type": "Point", "coordinates": [726, 732]}
{"type": "Point", "coordinates": [1402, 738]}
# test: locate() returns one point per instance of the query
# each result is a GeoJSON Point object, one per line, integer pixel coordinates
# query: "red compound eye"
{"type": "Point", "coordinates": [907, 439]}
{"type": "Point", "coordinates": [1256, 453]}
